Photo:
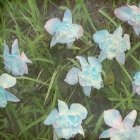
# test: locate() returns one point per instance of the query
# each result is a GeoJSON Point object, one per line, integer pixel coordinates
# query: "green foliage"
{"type": "Point", "coordinates": [45, 84]}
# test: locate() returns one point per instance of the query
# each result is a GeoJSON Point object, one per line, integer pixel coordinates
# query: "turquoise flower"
{"type": "Point", "coordinates": [120, 129]}
{"type": "Point", "coordinates": [7, 81]}
{"type": "Point", "coordinates": [130, 14]}
{"type": "Point", "coordinates": [112, 45]}
{"type": "Point", "coordinates": [136, 83]}
{"type": "Point", "coordinates": [67, 122]}
{"type": "Point", "coordinates": [15, 62]}
{"type": "Point", "coordinates": [89, 75]}
{"type": "Point", "coordinates": [63, 31]}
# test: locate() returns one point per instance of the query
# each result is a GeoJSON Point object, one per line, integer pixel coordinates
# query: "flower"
{"type": "Point", "coordinates": [112, 45]}
{"type": "Point", "coordinates": [89, 75]}
{"type": "Point", "coordinates": [63, 31]}
{"type": "Point", "coordinates": [7, 81]}
{"type": "Point", "coordinates": [14, 61]}
{"type": "Point", "coordinates": [120, 129]}
{"type": "Point", "coordinates": [131, 14]}
{"type": "Point", "coordinates": [67, 122]}
{"type": "Point", "coordinates": [136, 83]}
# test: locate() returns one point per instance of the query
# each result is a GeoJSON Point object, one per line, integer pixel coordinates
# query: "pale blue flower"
{"type": "Point", "coordinates": [136, 83]}
{"type": "Point", "coordinates": [15, 62]}
{"type": "Point", "coordinates": [130, 14]}
{"type": "Point", "coordinates": [89, 75]}
{"type": "Point", "coordinates": [112, 45]}
{"type": "Point", "coordinates": [7, 81]}
{"type": "Point", "coordinates": [120, 129]}
{"type": "Point", "coordinates": [63, 31]}
{"type": "Point", "coordinates": [67, 121]}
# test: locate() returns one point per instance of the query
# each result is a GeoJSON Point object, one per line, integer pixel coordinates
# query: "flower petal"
{"type": "Point", "coordinates": [66, 132]}
{"type": "Point", "coordinates": [6, 51]}
{"type": "Point", "coordinates": [62, 106]}
{"type": "Point", "coordinates": [136, 30]}
{"type": "Point", "coordinates": [78, 108]}
{"type": "Point", "coordinates": [53, 41]}
{"type": "Point", "coordinates": [136, 89]}
{"type": "Point", "coordinates": [67, 16]}
{"type": "Point", "coordinates": [108, 133]}
{"type": "Point", "coordinates": [58, 132]}
{"type": "Point", "coordinates": [15, 49]}
{"type": "Point", "coordinates": [113, 118]}
{"type": "Point", "coordinates": [93, 61]}
{"type": "Point", "coordinates": [121, 58]}
{"type": "Point", "coordinates": [130, 119]}
{"type": "Point", "coordinates": [102, 56]}
{"type": "Point", "coordinates": [79, 32]}
{"type": "Point", "coordinates": [87, 90]}
{"type": "Point", "coordinates": [25, 58]}
{"type": "Point", "coordinates": [11, 97]}
{"type": "Point", "coordinates": [118, 32]}
{"type": "Point", "coordinates": [116, 138]}
{"type": "Point", "coordinates": [70, 44]}
{"type": "Point", "coordinates": [7, 81]}
{"type": "Point", "coordinates": [82, 60]}
{"type": "Point", "coordinates": [51, 117]}
{"type": "Point", "coordinates": [100, 36]}
{"type": "Point", "coordinates": [126, 42]}
{"type": "Point", "coordinates": [72, 76]}
{"type": "Point", "coordinates": [3, 100]}
{"type": "Point", "coordinates": [135, 134]}
{"type": "Point", "coordinates": [51, 24]}
{"type": "Point", "coordinates": [124, 13]}
{"type": "Point", "coordinates": [78, 130]}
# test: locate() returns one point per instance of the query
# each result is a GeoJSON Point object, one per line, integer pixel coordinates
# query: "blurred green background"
{"type": "Point", "coordinates": [40, 89]}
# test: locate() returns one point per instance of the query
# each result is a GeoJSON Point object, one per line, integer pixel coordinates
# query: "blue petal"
{"type": "Point", "coordinates": [78, 130]}
{"type": "Point", "coordinates": [100, 36]}
{"type": "Point", "coordinates": [124, 13]}
{"type": "Point", "coordinates": [74, 119]}
{"type": "Point", "coordinates": [62, 106]}
{"type": "Point", "coordinates": [121, 58]}
{"type": "Point", "coordinates": [78, 108]}
{"type": "Point", "coordinates": [15, 49]}
{"type": "Point", "coordinates": [7, 81]}
{"type": "Point", "coordinates": [136, 76]}
{"type": "Point", "coordinates": [25, 58]}
{"type": "Point", "coordinates": [6, 51]}
{"type": "Point", "coordinates": [94, 62]}
{"type": "Point", "coordinates": [108, 133]}
{"type": "Point", "coordinates": [125, 43]}
{"type": "Point", "coordinates": [51, 117]}
{"type": "Point", "coordinates": [118, 32]}
{"type": "Point", "coordinates": [87, 90]}
{"type": "Point", "coordinates": [11, 97]}
{"type": "Point", "coordinates": [72, 76]}
{"type": "Point", "coordinates": [53, 41]}
{"type": "Point", "coordinates": [113, 118]}
{"type": "Point", "coordinates": [79, 31]}
{"type": "Point", "coordinates": [51, 24]}
{"type": "Point", "coordinates": [67, 16]}
{"type": "Point", "coordinates": [130, 119]}
{"type": "Point", "coordinates": [136, 30]}
{"type": "Point", "coordinates": [83, 81]}
{"type": "Point", "coordinates": [3, 100]}
{"type": "Point", "coordinates": [82, 60]}
{"type": "Point", "coordinates": [58, 132]}
{"type": "Point", "coordinates": [64, 132]}
{"type": "Point", "coordinates": [70, 44]}
{"type": "Point", "coordinates": [102, 56]}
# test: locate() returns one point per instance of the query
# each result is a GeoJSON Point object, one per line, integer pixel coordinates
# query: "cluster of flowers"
{"type": "Point", "coordinates": [67, 121]}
